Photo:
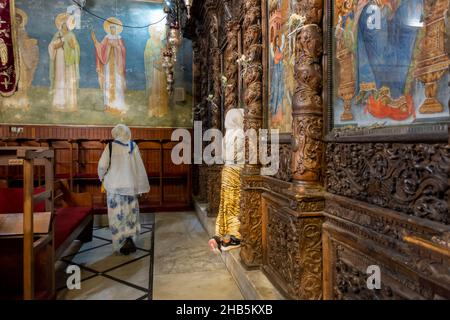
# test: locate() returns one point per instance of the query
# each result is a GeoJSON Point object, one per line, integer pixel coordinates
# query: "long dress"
{"type": "Point", "coordinates": [158, 97]}
{"type": "Point", "coordinates": [124, 178]}
{"type": "Point", "coordinates": [64, 70]}
{"type": "Point", "coordinates": [227, 221]}
{"type": "Point", "coordinates": [111, 62]}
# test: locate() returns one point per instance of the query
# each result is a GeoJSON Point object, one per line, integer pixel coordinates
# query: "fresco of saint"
{"type": "Point", "coordinates": [64, 52]}
{"type": "Point", "coordinates": [377, 40]}
{"type": "Point", "coordinates": [111, 62]}
{"type": "Point", "coordinates": [158, 97]}
{"type": "Point", "coordinates": [28, 58]}
{"type": "Point", "coordinates": [277, 80]}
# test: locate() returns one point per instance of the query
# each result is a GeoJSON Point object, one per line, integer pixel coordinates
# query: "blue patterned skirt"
{"type": "Point", "coordinates": [123, 216]}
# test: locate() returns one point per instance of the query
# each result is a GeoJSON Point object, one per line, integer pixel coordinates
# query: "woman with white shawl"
{"type": "Point", "coordinates": [124, 178]}
{"type": "Point", "coordinates": [227, 235]}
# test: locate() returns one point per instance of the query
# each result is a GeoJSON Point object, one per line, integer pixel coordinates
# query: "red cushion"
{"type": "Point", "coordinates": [11, 200]}
{"type": "Point", "coordinates": [67, 220]}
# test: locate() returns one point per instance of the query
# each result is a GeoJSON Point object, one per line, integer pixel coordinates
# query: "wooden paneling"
{"type": "Point", "coordinates": [78, 149]}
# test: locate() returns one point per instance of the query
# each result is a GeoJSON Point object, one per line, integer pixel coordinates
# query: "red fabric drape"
{"type": "Point", "coordinates": [8, 63]}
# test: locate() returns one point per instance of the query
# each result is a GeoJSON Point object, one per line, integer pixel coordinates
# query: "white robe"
{"type": "Point", "coordinates": [127, 175]}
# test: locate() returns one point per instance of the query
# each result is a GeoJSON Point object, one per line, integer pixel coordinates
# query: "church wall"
{"type": "Point", "coordinates": [146, 102]}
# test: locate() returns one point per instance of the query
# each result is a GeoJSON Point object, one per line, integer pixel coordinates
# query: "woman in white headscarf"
{"type": "Point", "coordinates": [227, 235]}
{"type": "Point", "coordinates": [124, 178]}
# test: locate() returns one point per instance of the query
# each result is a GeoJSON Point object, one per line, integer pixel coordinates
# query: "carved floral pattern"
{"type": "Point", "coordinates": [410, 178]}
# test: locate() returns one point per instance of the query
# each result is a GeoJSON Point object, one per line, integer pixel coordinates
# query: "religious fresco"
{"type": "Point", "coordinates": [281, 64]}
{"type": "Point", "coordinates": [390, 65]}
{"type": "Point", "coordinates": [77, 69]}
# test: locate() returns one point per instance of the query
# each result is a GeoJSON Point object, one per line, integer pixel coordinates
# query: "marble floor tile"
{"type": "Point", "coordinates": [104, 258]}
{"type": "Point", "coordinates": [185, 257]}
{"type": "Point", "coordinates": [212, 285]}
{"type": "Point", "coordinates": [103, 233]}
{"type": "Point", "coordinates": [61, 275]}
{"type": "Point", "coordinates": [184, 267]}
{"type": "Point", "coordinates": [101, 288]}
{"type": "Point", "coordinates": [94, 243]}
{"type": "Point", "coordinates": [137, 273]}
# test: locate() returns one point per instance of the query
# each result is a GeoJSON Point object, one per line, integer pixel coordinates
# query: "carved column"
{"type": "Point", "coordinates": [202, 109]}
{"type": "Point", "coordinates": [231, 67]}
{"type": "Point", "coordinates": [214, 171]}
{"type": "Point", "coordinates": [307, 109]}
{"type": "Point", "coordinates": [251, 251]}
{"type": "Point", "coordinates": [307, 152]}
{"type": "Point", "coordinates": [197, 112]}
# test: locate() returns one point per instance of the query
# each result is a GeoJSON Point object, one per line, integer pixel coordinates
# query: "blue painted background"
{"type": "Point", "coordinates": [41, 26]}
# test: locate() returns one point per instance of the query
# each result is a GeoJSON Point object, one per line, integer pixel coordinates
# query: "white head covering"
{"type": "Point", "coordinates": [234, 143]}
{"type": "Point", "coordinates": [234, 119]}
{"type": "Point", "coordinates": [121, 133]}
{"type": "Point", "coordinates": [125, 174]}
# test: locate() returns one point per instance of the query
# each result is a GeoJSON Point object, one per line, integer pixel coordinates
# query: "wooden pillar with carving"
{"type": "Point", "coordinates": [197, 112]}
{"type": "Point", "coordinates": [201, 108]}
{"type": "Point", "coordinates": [308, 148]}
{"type": "Point", "coordinates": [251, 230]}
{"type": "Point", "coordinates": [214, 171]}
{"type": "Point", "coordinates": [231, 66]}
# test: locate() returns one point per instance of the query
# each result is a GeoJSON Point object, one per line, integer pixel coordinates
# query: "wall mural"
{"type": "Point", "coordinates": [390, 64]}
{"type": "Point", "coordinates": [77, 69]}
{"type": "Point", "coordinates": [281, 64]}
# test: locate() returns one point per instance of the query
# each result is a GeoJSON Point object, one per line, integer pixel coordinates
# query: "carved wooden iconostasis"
{"type": "Point", "coordinates": [363, 153]}
{"type": "Point", "coordinates": [387, 157]}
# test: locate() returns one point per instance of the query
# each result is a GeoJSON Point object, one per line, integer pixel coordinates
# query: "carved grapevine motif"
{"type": "Point", "coordinates": [410, 178]}
{"type": "Point", "coordinates": [251, 246]}
{"type": "Point", "coordinates": [294, 252]}
{"type": "Point", "coordinates": [284, 167]}
{"type": "Point", "coordinates": [231, 67]}
{"type": "Point", "coordinates": [251, 251]}
{"type": "Point", "coordinates": [308, 143]}
{"type": "Point", "coordinates": [307, 111]}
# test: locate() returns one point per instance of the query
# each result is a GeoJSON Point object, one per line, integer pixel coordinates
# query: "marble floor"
{"type": "Point", "coordinates": [182, 266]}
{"type": "Point", "coordinates": [106, 275]}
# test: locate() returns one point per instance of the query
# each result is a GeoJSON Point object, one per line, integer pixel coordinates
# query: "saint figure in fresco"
{"type": "Point", "coordinates": [158, 97]}
{"type": "Point", "coordinates": [111, 62]}
{"type": "Point", "coordinates": [386, 41]}
{"type": "Point", "coordinates": [28, 58]}
{"type": "Point", "coordinates": [64, 52]}
{"type": "Point", "coordinates": [277, 80]}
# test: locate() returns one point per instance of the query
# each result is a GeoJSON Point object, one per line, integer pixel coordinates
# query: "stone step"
{"type": "Point", "coordinates": [253, 284]}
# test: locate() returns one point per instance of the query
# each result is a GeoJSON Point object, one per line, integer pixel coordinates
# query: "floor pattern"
{"type": "Point", "coordinates": [183, 268]}
{"type": "Point", "coordinates": [109, 276]}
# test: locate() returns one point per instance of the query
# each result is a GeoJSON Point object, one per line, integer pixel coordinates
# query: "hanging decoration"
{"type": "Point", "coordinates": [9, 62]}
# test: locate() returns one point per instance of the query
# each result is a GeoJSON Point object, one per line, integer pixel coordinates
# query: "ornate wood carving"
{"type": "Point", "coordinates": [293, 250]}
{"type": "Point", "coordinates": [307, 102]}
{"type": "Point", "coordinates": [357, 236]}
{"type": "Point", "coordinates": [284, 166]}
{"type": "Point", "coordinates": [231, 67]}
{"type": "Point", "coordinates": [251, 250]}
{"type": "Point", "coordinates": [213, 189]}
{"type": "Point", "coordinates": [250, 218]}
{"type": "Point", "coordinates": [410, 178]}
